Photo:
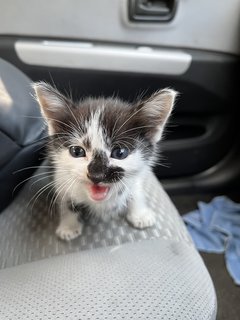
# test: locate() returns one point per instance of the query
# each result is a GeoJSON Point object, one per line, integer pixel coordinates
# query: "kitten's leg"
{"type": "Point", "coordinates": [139, 214]}
{"type": "Point", "coordinates": [69, 227]}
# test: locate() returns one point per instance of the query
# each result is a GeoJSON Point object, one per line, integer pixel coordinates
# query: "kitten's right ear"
{"type": "Point", "coordinates": [53, 104]}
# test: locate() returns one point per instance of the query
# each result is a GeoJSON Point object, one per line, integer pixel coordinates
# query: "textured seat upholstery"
{"type": "Point", "coordinates": [154, 279]}
{"type": "Point", "coordinates": [112, 271]}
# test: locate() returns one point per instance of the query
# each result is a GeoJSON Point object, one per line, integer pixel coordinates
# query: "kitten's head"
{"type": "Point", "coordinates": [102, 143]}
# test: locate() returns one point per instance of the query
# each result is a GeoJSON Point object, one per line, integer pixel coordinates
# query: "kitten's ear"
{"type": "Point", "coordinates": [156, 111]}
{"type": "Point", "coordinates": [53, 104]}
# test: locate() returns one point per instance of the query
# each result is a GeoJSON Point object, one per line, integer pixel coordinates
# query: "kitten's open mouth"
{"type": "Point", "coordinates": [98, 192]}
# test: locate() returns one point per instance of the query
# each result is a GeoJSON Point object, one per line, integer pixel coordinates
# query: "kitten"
{"type": "Point", "coordinates": [102, 150]}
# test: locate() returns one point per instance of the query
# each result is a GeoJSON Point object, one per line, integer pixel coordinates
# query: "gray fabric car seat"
{"type": "Point", "coordinates": [112, 271]}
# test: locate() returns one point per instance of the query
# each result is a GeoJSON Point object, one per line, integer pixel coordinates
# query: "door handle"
{"type": "Point", "coordinates": [152, 10]}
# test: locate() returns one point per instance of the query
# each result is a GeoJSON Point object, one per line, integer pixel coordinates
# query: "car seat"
{"type": "Point", "coordinates": [112, 271]}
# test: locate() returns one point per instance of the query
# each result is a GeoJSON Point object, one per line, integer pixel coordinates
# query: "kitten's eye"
{"type": "Point", "coordinates": [77, 152]}
{"type": "Point", "coordinates": [119, 153]}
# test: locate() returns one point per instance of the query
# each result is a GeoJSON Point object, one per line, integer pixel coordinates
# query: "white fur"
{"type": "Point", "coordinates": [95, 133]}
{"type": "Point", "coordinates": [69, 227]}
{"type": "Point", "coordinates": [139, 214]}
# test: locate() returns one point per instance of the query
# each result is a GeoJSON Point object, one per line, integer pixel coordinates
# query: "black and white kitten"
{"type": "Point", "coordinates": [102, 151]}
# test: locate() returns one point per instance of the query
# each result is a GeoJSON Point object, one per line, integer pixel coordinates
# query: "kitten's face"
{"type": "Point", "coordinates": [103, 143]}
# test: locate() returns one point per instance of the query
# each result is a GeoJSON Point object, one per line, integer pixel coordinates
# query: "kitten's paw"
{"type": "Point", "coordinates": [66, 232]}
{"type": "Point", "coordinates": [143, 219]}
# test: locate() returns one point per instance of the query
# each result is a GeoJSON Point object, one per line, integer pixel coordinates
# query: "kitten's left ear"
{"type": "Point", "coordinates": [156, 111]}
{"type": "Point", "coordinates": [53, 104]}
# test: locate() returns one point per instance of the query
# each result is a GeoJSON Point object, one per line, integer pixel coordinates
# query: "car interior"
{"type": "Point", "coordinates": [125, 49]}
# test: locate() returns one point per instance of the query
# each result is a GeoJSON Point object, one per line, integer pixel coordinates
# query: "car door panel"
{"type": "Point", "coordinates": [92, 48]}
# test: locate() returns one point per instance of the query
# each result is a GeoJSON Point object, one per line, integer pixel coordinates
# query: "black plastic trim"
{"type": "Point", "coordinates": [148, 11]}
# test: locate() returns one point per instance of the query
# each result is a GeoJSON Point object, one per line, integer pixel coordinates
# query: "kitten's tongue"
{"type": "Point", "coordinates": [97, 192]}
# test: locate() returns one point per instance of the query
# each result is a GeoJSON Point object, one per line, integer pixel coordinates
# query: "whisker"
{"type": "Point", "coordinates": [57, 192]}
{"type": "Point", "coordinates": [38, 194]}
{"type": "Point", "coordinates": [132, 115]}
{"type": "Point", "coordinates": [52, 119]}
{"type": "Point", "coordinates": [39, 167]}
{"type": "Point", "coordinates": [33, 167]}
{"type": "Point", "coordinates": [135, 128]}
{"type": "Point", "coordinates": [31, 177]}
{"type": "Point", "coordinates": [67, 190]}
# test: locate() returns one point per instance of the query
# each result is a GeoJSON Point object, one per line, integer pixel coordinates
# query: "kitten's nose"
{"type": "Point", "coordinates": [97, 168]}
{"type": "Point", "coordinates": [96, 177]}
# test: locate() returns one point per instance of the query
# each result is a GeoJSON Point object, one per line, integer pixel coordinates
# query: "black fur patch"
{"type": "Point", "coordinates": [80, 209]}
{"type": "Point", "coordinates": [100, 171]}
{"type": "Point", "coordinates": [123, 125]}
